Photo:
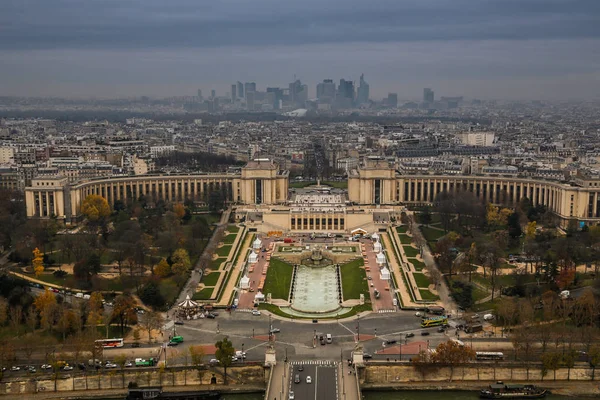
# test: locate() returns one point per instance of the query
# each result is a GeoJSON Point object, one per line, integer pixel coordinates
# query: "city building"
{"type": "Point", "coordinates": [362, 96]}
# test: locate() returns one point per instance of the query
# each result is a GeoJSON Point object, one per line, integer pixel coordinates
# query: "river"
{"type": "Point", "coordinates": [434, 395]}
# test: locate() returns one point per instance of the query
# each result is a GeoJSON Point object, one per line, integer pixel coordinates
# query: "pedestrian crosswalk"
{"type": "Point", "coordinates": [386, 311]}
{"type": "Point", "coordinates": [243, 310]}
{"type": "Point", "coordinates": [314, 362]}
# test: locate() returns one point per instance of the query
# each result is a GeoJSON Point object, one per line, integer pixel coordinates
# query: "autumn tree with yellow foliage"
{"type": "Point", "coordinates": [95, 207]}
{"type": "Point", "coordinates": [38, 262]}
{"type": "Point", "coordinates": [162, 269]}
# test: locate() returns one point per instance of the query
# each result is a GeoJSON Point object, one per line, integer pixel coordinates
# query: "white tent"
{"type": "Point", "coordinates": [245, 282]}
{"type": "Point", "coordinates": [258, 297]}
{"type": "Point", "coordinates": [377, 247]}
{"type": "Point", "coordinates": [375, 236]}
{"type": "Point", "coordinates": [385, 274]}
{"type": "Point", "coordinates": [253, 258]}
{"type": "Point", "coordinates": [257, 244]}
{"type": "Point", "coordinates": [380, 258]}
{"type": "Point", "coordinates": [188, 303]}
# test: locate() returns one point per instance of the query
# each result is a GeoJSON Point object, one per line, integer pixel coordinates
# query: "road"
{"type": "Point", "coordinates": [323, 384]}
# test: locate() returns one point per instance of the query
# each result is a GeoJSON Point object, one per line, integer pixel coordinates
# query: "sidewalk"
{"type": "Point", "coordinates": [396, 269]}
{"type": "Point", "coordinates": [348, 387]}
{"type": "Point", "coordinates": [278, 387]}
{"type": "Point", "coordinates": [236, 270]}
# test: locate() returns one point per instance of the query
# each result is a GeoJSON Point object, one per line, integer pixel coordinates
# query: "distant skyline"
{"type": "Point", "coordinates": [503, 49]}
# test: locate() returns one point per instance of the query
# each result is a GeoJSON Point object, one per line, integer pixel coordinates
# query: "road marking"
{"type": "Point", "coordinates": [316, 381]}
{"type": "Point", "coordinates": [348, 329]}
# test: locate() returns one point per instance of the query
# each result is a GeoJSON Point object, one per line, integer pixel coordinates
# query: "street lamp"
{"type": "Point", "coordinates": [243, 353]}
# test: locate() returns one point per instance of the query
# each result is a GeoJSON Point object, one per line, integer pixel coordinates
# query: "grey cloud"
{"type": "Point", "coordinates": [137, 24]}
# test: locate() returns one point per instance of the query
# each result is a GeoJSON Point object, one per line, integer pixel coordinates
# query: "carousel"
{"type": "Point", "coordinates": [189, 309]}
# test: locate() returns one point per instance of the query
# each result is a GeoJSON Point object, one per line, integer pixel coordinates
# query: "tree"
{"type": "Point", "coordinates": [150, 295]}
{"type": "Point", "coordinates": [224, 354]}
{"type": "Point", "coordinates": [37, 262]}
{"type": "Point", "coordinates": [550, 362]}
{"type": "Point", "coordinates": [179, 210]}
{"type": "Point", "coordinates": [3, 311]}
{"type": "Point", "coordinates": [121, 360]}
{"type": "Point", "coordinates": [44, 300]}
{"type": "Point", "coordinates": [136, 335]}
{"type": "Point", "coordinates": [514, 226]}
{"type": "Point", "coordinates": [425, 216]}
{"type": "Point", "coordinates": [150, 321]}
{"type": "Point", "coordinates": [95, 207]}
{"type": "Point", "coordinates": [197, 356]}
{"type": "Point", "coordinates": [162, 269]}
{"type": "Point", "coordinates": [181, 262]}
{"type": "Point", "coordinates": [531, 230]}
{"type": "Point", "coordinates": [452, 354]}
{"type": "Point", "coordinates": [123, 311]}
{"type": "Point", "coordinates": [594, 359]}
{"type": "Point", "coordinates": [16, 316]}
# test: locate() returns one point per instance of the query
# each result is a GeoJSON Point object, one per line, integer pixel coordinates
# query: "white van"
{"type": "Point", "coordinates": [236, 302]}
{"type": "Point", "coordinates": [488, 317]}
{"type": "Point", "coordinates": [395, 302]}
{"type": "Point", "coordinates": [86, 296]}
{"type": "Point", "coordinates": [329, 338]}
{"type": "Point", "coordinates": [79, 295]}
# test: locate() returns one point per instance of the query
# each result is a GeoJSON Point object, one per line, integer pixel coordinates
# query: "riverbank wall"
{"type": "Point", "coordinates": [579, 380]}
{"type": "Point", "coordinates": [172, 379]}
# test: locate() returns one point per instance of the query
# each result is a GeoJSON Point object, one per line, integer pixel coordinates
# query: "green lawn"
{"type": "Point", "coordinates": [233, 228]}
{"type": "Point", "coordinates": [277, 311]}
{"type": "Point", "coordinates": [419, 265]}
{"type": "Point", "coordinates": [404, 239]}
{"type": "Point", "coordinates": [479, 294]}
{"type": "Point", "coordinates": [410, 251]}
{"type": "Point", "coordinates": [223, 251]}
{"type": "Point", "coordinates": [402, 229]}
{"type": "Point", "coordinates": [354, 280]}
{"type": "Point", "coordinates": [204, 294]}
{"type": "Point", "coordinates": [211, 279]}
{"type": "Point", "coordinates": [431, 234]}
{"type": "Point", "coordinates": [229, 239]}
{"type": "Point", "coordinates": [216, 264]}
{"type": "Point", "coordinates": [279, 279]}
{"type": "Point", "coordinates": [427, 295]}
{"type": "Point", "coordinates": [422, 280]}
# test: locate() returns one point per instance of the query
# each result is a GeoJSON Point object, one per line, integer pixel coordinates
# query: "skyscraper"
{"type": "Point", "coordinates": [326, 90]}
{"type": "Point", "coordinates": [199, 94]}
{"type": "Point", "coordinates": [233, 92]}
{"type": "Point", "coordinates": [298, 93]}
{"type": "Point", "coordinates": [362, 96]}
{"type": "Point", "coordinates": [249, 87]}
{"type": "Point", "coordinates": [392, 100]}
{"type": "Point", "coordinates": [213, 93]}
{"type": "Point", "coordinates": [428, 95]}
{"type": "Point", "coordinates": [345, 94]}
{"type": "Point", "coordinates": [240, 89]}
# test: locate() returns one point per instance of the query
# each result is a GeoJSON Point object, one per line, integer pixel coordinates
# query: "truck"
{"type": "Point", "coordinates": [376, 293]}
{"type": "Point", "coordinates": [176, 339]}
{"type": "Point", "coordinates": [436, 310]}
{"type": "Point", "coordinates": [140, 362]}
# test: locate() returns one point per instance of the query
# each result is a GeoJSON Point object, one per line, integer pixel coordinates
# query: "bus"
{"type": "Point", "coordinates": [459, 343]}
{"type": "Point", "coordinates": [110, 343]}
{"type": "Point", "coordinates": [489, 355]}
{"type": "Point", "coordinates": [434, 321]}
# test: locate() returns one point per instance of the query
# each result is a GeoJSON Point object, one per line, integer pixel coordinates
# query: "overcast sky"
{"type": "Point", "coordinates": [505, 49]}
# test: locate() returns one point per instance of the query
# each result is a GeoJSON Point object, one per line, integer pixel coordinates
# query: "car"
{"type": "Point", "coordinates": [135, 344]}
{"type": "Point", "coordinates": [424, 333]}
{"type": "Point", "coordinates": [409, 335]}
{"type": "Point", "coordinates": [441, 329]}
{"type": "Point", "coordinates": [369, 277]}
{"type": "Point", "coordinates": [173, 344]}
{"type": "Point", "coordinates": [212, 316]}
{"type": "Point", "coordinates": [391, 341]}
{"type": "Point", "coordinates": [308, 379]}
{"type": "Point", "coordinates": [15, 368]}
{"type": "Point", "coordinates": [315, 321]}
{"type": "Point", "coordinates": [178, 322]}
{"type": "Point", "coordinates": [275, 330]}
{"type": "Point", "coordinates": [419, 314]}
{"type": "Point", "coordinates": [291, 396]}
{"type": "Point", "coordinates": [141, 312]}
{"type": "Point", "coordinates": [297, 378]}
{"type": "Point", "coordinates": [81, 366]}
{"type": "Point", "coordinates": [31, 370]}
{"type": "Point", "coordinates": [67, 368]}
{"type": "Point", "coordinates": [214, 361]}
{"type": "Point", "coordinates": [301, 368]}
{"type": "Point", "coordinates": [367, 356]}
{"type": "Point", "coordinates": [234, 358]}
{"type": "Point", "coordinates": [110, 365]}
{"type": "Point", "coordinates": [46, 366]}
{"type": "Point", "coordinates": [255, 312]}
{"type": "Point", "coordinates": [128, 364]}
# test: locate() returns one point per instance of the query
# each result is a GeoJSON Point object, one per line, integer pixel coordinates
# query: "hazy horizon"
{"type": "Point", "coordinates": [503, 49]}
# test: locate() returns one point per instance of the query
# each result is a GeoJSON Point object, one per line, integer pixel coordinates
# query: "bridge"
{"type": "Point", "coordinates": [313, 380]}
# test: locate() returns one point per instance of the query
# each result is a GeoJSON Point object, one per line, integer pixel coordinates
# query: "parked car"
{"type": "Point", "coordinates": [128, 364]}
{"type": "Point", "coordinates": [173, 344]}
{"type": "Point", "coordinates": [424, 333]}
{"type": "Point", "coordinates": [15, 368]}
{"type": "Point", "coordinates": [441, 329]}
{"type": "Point", "coordinates": [178, 322]}
{"type": "Point", "coordinates": [212, 316]}
{"type": "Point", "coordinates": [31, 370]}
{"type": "Point", "coordinates": [275, 330]}
{"type": "Point", "coordinates": [391, 341]}
{"type": "Point", "coordinates": [136, 344]}
{"type": "Point", "coordinates": [255, 312]}
{"type": "Point", "coordinates": [291, 396]}
{"type": "Point", "coordinates": [67, 368]}
{"type": "Point", "coordinates": [367, 356]}
{"type": "Point", "coordinates": [46, 366]}
{"type": "Point", "coordinates": [409, 335]}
